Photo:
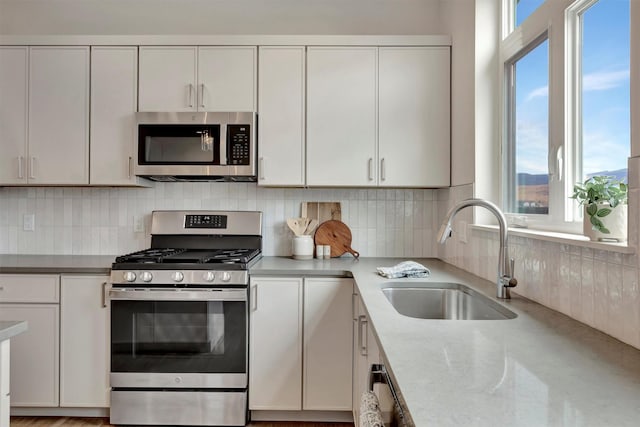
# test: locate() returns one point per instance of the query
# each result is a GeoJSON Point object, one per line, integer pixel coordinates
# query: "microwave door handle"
{"type": "Point", "coordinates": [223, 144]}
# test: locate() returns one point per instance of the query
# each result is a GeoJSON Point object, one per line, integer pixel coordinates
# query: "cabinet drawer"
{"type": "Point", "coordinates": [29, 288]}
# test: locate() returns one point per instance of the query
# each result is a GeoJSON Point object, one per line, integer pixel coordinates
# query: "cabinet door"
{"type": "Point", "coordinates": [114, 97]}
{"type": "Point", "coordinates": [59, 115]}
{"type": "Point", "coordinates": [414, 117]}
{"type": "Point", "coordinates": [281, 113]}
{"type": "Point", "coordinates": [360, 363]}
{"type": "Point", "coordinates": [341, 116]}
{"type": "Point", "coordinates": [167, 78]}
{"type": "Point", "coordinates": [34, 354]}
{"type": "Point", "coordinates": [227, 78]}
{"type": "Point", "coordinates": [13, 114]}
{"type": "Point", "coordinates": [328, 338]}
{"type": "Point", "coordinates": [275, 349]}
{"type": "Point", "coordinates": [84, 342]}
{"type": "Point", "coordinates": [5, 397]}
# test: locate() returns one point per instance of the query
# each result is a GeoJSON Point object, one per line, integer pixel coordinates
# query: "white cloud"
{"type": "Point", "coordinates": [538, 92]}
{"type": "Point", "coordinates": [604, 80]}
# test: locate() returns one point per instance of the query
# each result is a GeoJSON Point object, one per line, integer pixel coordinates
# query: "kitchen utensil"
{"type": "Point", "coordinates": [311, 227]}
{"type": "Point", "coordinates": [337, 235]}
{"type": "Point", "coordinates": [322, 211]}
{"type": "Point", "coordinates": [298, 225]}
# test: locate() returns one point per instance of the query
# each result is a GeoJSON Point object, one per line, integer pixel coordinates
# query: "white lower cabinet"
{"type": "Point", "coordinates": [296, 323]}
{"type": "Point", "coordinates": [34, 353]}
{"type": "Point", "coordinates": [5, 397]}
{"type": "Point", "coordinates": [84, 342]}
{"type": "Point", "coordinates": [366, 352]}
{"type": "Point", "coordinates": [62, 360]}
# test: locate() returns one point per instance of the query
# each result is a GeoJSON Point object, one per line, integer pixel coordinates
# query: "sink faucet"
{"type": "Point", "coordinates": [505, 264]}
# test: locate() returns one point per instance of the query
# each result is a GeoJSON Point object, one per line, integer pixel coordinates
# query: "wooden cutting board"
{"type": "Point", "coordinates": [337, 235]}
{"type": "Point", "coordinates": [322, 211]}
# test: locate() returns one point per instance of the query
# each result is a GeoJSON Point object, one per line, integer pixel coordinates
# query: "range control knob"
{"type": "Point", "coordinates": [226, 276]}
{"type": "Point", "coordinates": [146, 276]}
{"type": "Point", "coordinates": [129, 276]}
{"type": "Point", "coordinates": [177, 276]}
{"type": "Point", "coordinates": [209, 276]}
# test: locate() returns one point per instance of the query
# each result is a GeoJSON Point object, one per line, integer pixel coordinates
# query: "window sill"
{"type": "Point", "coordinates": [564, 238]}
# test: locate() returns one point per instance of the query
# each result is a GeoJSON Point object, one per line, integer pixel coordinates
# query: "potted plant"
{"type": "Point", "coordinates": [605, 207]}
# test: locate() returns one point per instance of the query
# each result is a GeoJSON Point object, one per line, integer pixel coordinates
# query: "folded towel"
{"type": "Point", "coordinates": [404, 269]}
{"type": "Point", "coordinates": [370, 415]}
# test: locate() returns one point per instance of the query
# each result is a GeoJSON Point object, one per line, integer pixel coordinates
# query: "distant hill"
{"type": "Point", "coordinates": [542, 179]}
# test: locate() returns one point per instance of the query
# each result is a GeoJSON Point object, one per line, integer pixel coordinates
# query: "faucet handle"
{"type": "Point", "coordinates": [512, 280]}
{"type": "Point", "coordinates": [512, 266]}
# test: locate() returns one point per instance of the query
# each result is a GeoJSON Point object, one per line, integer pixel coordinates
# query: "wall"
{"type": "Point", "coordinates": [187, 17]}
{"type": "Point", "coordinates": [396, 223]}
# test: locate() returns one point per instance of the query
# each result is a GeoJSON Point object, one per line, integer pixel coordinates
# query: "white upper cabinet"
{"type": "Point", "coordinates": [378, 116]}
{"type": "Point", "coordinates": [227, 78]}
{"type": "Point", "coordinates": [281, 116]}
{"type": "Point", "coordinates": [59, 115]}
{"type": "Point", "coordinates": [341, 116]}
{"type": "Point", "coordinates": [414, 117]}
{"type": "Point", "coordinates": [114, 96]}
{"type": "Point", "coordinates": [167, 78]}
{"type": "Point", "coordinates": [44, 115]}
{"type": "Point", "coordinates": [197, 78]}
{"type": "Point", "coordinates": [14, 63]}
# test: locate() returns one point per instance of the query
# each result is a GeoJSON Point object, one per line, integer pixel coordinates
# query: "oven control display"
{"type": "Point", "coordinates": [205, 221]}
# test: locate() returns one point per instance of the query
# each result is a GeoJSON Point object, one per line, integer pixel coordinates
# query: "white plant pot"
{"type": "Point", "coordinates": [616, 222]}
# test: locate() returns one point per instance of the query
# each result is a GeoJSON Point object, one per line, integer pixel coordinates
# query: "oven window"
{"type": "Point", "coordinates": [178, 336]}
{"type": "Point", "coordinates": [179, 144]}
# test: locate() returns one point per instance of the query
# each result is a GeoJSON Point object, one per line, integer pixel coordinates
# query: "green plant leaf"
{"type": "Point", "coordinates": [592, 209]}
{"type": "Point", "coordinates": [603, 212]}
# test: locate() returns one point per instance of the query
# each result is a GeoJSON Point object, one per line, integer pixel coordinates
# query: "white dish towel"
{"type": "Point", "coordinates": [370, 415]}
{"type": "Point", "coordinates": [409, 269]}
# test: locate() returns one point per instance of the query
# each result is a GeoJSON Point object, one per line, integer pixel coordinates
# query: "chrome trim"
{"type": "Point", "coordinates": [243, 223]}
{"type": "Point", "coordinates": [178, 408]}
{"type": "Point", "coordinates": [177, 380]}
{"type": "Point", "coordinates": [136, 294]}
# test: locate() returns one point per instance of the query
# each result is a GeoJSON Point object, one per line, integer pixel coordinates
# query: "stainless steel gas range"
{"type": "Point", "coordinates": [179, 321]}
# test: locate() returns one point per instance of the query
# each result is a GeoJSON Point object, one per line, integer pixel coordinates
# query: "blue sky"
{"type": "Point", "coordinates": [605, 92]}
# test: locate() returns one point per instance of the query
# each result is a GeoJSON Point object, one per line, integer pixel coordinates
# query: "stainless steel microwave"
{"type": "Point", "coordinates": [196, 146]}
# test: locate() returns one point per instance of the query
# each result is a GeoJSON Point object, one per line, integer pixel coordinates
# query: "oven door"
{"type": "Point", "coordinates": [178, 338]}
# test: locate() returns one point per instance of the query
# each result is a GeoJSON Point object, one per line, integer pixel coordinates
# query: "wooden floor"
{"type": "Point", "coordinates": [86, 422]}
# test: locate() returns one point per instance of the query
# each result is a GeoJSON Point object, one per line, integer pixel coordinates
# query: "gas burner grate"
{"type": "Point", "coordinates": [150, 256]}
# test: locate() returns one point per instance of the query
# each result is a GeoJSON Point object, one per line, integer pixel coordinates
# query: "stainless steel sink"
{"type": "Point", "coordinates": [441, 300]}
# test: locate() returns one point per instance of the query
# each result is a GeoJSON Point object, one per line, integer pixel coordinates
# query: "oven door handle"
{"type": "Point", "coordinates": [179, 295]}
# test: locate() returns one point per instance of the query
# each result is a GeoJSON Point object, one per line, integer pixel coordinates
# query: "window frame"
{"type": "Point", "coordinates": [561, 22]}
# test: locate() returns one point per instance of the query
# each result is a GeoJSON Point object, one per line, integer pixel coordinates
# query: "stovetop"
{"type": "Point", "coordinates": [188, 259]}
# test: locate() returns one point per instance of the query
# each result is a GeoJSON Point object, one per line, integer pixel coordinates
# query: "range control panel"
{"type": "Point", "coordinates": [205, 221]}
{"type": "Point", "coordinates": [238, 142]}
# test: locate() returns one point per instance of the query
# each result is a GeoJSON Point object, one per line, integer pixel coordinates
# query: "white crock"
{"type": "Point", "coordinates": [616, 222]}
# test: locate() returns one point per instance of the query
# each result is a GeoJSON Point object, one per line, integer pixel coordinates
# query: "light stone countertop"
{"type": "Point", "coordinates": [56, 264]}
{"type": "Point", "coordinates": [11, 328]}
{"type": "Point", "coordinates": [540, 369]}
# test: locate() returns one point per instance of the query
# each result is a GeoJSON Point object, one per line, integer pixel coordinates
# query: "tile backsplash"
{"type": "Point", "coordinates": [100, 221]}
{"type": "Point", "coordinates": [596, 287]}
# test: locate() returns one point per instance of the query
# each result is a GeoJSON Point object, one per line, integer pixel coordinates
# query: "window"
{"type": "Point", "coordinates": [524, 8]}
{"type": "Point", "coordinates": [528, 103]}
{"type": "Point", "coordinates": [567, 106]}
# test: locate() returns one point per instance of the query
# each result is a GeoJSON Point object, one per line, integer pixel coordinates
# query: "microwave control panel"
{"type": "Point", "coordinates": [239, 141]}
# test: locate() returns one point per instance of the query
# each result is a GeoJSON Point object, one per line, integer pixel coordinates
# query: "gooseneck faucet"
{"type": "Point", "coordinates": [505, 264]}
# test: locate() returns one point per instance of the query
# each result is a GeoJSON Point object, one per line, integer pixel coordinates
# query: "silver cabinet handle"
{"type": "Point", "coordinates": [254, 298]}
{"type": "Point", "coordinates": [370, 169]}
{"type": "Point", "coordinates": [383, 174]}
{"type": "Point", "coordinates": [130, 164]}
{"type": "Point", "coordinates": [32, 167]}
{"type": "Point", "coordinates": [362, 335]}
{"type": "Point", "coordinates": [191, 95]}
{"type": "Point", "coordinates": [261, 167]}
{"type": "Point", "coordinates": [202, 95]}
{"type": "Point", "coordinates": [353, 306]}
{"type": "Point", "coordinates": [20, 167]}
{"type": "Point", "coordinates": [105, 294]}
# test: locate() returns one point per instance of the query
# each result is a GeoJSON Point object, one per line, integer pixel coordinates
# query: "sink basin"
{"type": "Point", "coordinates": [441, 300]}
